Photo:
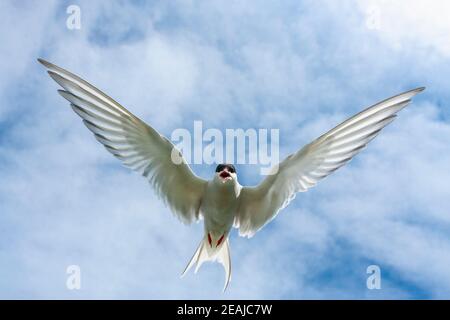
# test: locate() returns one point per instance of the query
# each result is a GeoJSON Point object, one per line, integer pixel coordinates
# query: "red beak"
{"type": "Point", "coordinates": [224, 174]}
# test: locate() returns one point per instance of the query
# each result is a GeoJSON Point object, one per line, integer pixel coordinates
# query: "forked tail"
{"type": "Point", "coordinates": [206, 252]}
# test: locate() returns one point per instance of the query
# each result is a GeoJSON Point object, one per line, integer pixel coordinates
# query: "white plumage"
{"type": "Point", "coordinates": [303, 169]}
{"type": "Point", "coordinates": [222, 201]}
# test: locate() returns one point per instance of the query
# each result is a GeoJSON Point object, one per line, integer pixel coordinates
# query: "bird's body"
{"type": "Point", "coordinates": [222, 202]}
{"type": "Point", "coordinates": [219, 206]}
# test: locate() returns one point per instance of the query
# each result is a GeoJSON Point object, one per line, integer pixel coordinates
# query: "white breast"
{"type": "Point", "coordinates": [219, 206]}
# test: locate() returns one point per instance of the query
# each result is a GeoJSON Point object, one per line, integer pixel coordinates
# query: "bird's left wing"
{"type": "Point", "coordinates": [136, 144]}
{"type": "Point", "coordinates": [303, 169]}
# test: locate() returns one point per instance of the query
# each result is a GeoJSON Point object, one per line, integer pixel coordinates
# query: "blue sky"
{"type": "Point", "coordinates": [298, 66]}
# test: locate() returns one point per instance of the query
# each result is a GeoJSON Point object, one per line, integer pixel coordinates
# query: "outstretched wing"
{"type": "Point", "coordinates": [137, 145]}
{"type": "Point", "coordinates": [303, 169]}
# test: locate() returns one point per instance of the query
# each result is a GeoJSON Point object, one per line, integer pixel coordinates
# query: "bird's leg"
{"type": "Point", "coordinates": [209, 240]}
{"type": "Point", "coordinates": [220, 240]}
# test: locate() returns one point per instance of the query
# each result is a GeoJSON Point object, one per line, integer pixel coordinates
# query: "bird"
{"type": "Point", "coordinates": [221, 202]}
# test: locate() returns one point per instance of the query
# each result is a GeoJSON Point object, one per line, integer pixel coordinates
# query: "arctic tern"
{"type": "Point", "coordinates": [221, 202]}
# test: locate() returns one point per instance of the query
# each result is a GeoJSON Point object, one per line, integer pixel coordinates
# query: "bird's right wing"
{"type": "Point", "coordinates": [137, 145]}
{"type": "Point", "coordinates": [315, 161]}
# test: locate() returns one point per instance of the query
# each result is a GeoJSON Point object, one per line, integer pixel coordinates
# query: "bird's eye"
{"type": "Point", "coordinates": [220, 167]}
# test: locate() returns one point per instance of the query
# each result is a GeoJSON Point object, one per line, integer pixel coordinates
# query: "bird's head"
{"type": "Point", "coordinates": [225, 173]}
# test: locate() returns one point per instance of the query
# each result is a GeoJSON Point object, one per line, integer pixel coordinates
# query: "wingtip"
{"type": "Point", "coordinates": [63, 93]}
{"type": "Point", "coordinates": [411, 93]}
{"type": "Point", "coordinates": [45, 63]}
{"type": "Point", "coordinates": [55, 76]}
{"type": "Point", "coordinates": [420, 89]}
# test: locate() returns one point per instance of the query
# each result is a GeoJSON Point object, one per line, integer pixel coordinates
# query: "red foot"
{"type": "Point", "coordinates": [209, 239]}
{"type": "Point", "coordinates": [220, 240]}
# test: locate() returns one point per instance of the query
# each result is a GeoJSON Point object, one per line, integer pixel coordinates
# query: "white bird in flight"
{"type": "Point", "coordinates": [222, 202]}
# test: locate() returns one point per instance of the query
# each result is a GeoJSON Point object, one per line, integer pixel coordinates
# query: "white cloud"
{"type": "Point", "coordinates": [417, 23]}
{"type": "Point", "coordinates": [23, 28]}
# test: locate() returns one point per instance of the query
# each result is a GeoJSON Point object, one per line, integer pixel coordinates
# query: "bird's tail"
{"type": "Point", "coordinates": [208, 252]}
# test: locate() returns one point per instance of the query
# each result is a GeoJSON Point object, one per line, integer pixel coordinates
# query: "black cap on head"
{"type": "Point", "coordinates": [230, 168]}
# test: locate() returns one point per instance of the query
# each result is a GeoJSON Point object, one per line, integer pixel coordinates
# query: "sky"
{"type": "Point", "coordinates": [298, 66]}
